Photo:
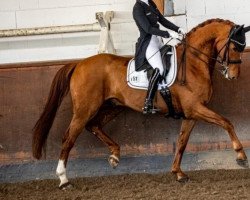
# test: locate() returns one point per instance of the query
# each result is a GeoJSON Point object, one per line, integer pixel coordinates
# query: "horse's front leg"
{"type": "Point", "coordinates": [202, 112]}
{"type": "Point", "coordinates": [186, 128]}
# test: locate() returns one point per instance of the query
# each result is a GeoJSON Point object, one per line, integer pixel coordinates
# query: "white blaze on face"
{"type": "Point", "coordinates": [226, 75]}
{"type": "Point", "coordinates": [61, 172]}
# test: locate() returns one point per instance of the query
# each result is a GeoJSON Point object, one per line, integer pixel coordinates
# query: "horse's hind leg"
{"type": "Point", "coordinates": [81, 116]}
{"type": "Point", "coordinates": [70, 136]}
{"type": "Point", "coordinates": [106, 113]}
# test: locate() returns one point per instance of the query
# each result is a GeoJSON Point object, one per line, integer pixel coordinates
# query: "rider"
{"type": "Point", "coordinates": [147, 16]}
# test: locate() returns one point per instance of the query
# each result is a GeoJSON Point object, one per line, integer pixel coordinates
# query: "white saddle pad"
{"type": "Point", "coordinates": [139, 80]}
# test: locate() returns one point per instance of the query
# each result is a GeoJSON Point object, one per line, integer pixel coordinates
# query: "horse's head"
{"type": "Point", "coordinates": [230, 49]}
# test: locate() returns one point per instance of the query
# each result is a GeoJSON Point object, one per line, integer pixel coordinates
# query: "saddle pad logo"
{"type": "Point", "coordinates": [134, 78]}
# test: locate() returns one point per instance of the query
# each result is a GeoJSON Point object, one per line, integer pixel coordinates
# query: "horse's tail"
{"type": "Point", "coordinates": [58, 90]}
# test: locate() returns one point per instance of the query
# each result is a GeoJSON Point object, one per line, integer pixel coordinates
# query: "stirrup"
{"type": "Point", "coordinates": [148, 106]}
{"type": "Point", "coordinates": [150, 110]}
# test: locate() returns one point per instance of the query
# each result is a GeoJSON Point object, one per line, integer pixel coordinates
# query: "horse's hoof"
{"type": "Point", "coordinates": [113, 161]}
{"type": "Point", "coordinates": [183, 179]}
{"type": "Point", "coordinates": [66, 186]}
{"type": "Point", "coordinates": [242, 163]}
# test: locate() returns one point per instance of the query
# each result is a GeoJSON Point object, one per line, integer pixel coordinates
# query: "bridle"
{"type": "Point", "coordinates": [223, 61]}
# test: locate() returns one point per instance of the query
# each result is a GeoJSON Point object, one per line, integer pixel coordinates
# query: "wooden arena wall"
{"type": "Point", "coordinates": [24, 89]}
{"type": "Point", "coordinates": [18, 14]}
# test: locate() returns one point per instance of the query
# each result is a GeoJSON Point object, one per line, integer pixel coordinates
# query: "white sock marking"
{"type": "Point", "coordinates": [61, 172]}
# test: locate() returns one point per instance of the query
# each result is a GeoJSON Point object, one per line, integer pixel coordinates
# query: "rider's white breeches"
{"type": "Point", "coordinates": [153, 54]}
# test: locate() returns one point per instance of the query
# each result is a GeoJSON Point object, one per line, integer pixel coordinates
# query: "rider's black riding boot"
{"type": "Point", "coordinates": [152, 88]}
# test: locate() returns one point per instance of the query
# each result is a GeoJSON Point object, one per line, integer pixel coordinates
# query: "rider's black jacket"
{"type": "Point", "coordinates": [146, 18]}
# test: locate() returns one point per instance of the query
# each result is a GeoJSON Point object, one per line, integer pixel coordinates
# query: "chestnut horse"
{"type": "Point", "coordinates": [102, 78]}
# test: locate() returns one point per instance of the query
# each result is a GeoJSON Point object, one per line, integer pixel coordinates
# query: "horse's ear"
{"type": "Point", "coordinates": [246, 29]}
{"type": "Point", "coordinates": [239, 29]}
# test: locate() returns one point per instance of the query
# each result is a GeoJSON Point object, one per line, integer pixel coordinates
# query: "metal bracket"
{"type": "Point", "coordinates": [106, 44]}
{"type": "Point", "coordinates": [169, 7]}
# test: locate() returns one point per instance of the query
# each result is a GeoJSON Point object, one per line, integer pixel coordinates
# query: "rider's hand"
{"type": "Point", "coordinates": [173, 35]}
{"type": "Point", "coordinates": [167, 35]}
{"type": "Point", "coordinates": [181, 31]}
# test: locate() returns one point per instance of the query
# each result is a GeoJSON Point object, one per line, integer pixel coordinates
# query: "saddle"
{"type": "Point", "coordinates": [166, 53]}
{"type": "Point", "coordinates": [139, 79]}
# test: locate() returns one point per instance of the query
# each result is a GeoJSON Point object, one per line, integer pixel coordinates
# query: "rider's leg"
{"type": "Point", "coordinates": [152, 88]}
{"type": "Point", "coordinates": [153, 56]}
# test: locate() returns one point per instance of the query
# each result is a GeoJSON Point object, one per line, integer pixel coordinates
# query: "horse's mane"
{"type": "Point", "coordinates": [228, 22]}
{"type": "Point", "coordinates": [209, 21]}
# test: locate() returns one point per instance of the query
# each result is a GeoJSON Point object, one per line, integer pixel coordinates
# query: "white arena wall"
{"type": "Point", "coordinates": [15, 14]}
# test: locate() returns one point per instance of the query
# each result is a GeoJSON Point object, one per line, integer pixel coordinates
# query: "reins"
{"type": "Point", "coordinates": [183, 62]}
{"type": "Point", "coordinates": [220, 61]}
{"type": "Point", "coordinates": [224, 61]}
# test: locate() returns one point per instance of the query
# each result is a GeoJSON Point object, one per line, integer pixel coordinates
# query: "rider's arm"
{"type": "Point", "coordinates": [142, 21]}
{"type": "Point", "coordinates": [167, 24]}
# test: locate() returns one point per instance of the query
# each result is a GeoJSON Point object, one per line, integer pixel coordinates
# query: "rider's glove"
{"type": "Point", "coordinates": [173, 35]}
{"type": "Point", "coordinates": [181, 31]}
